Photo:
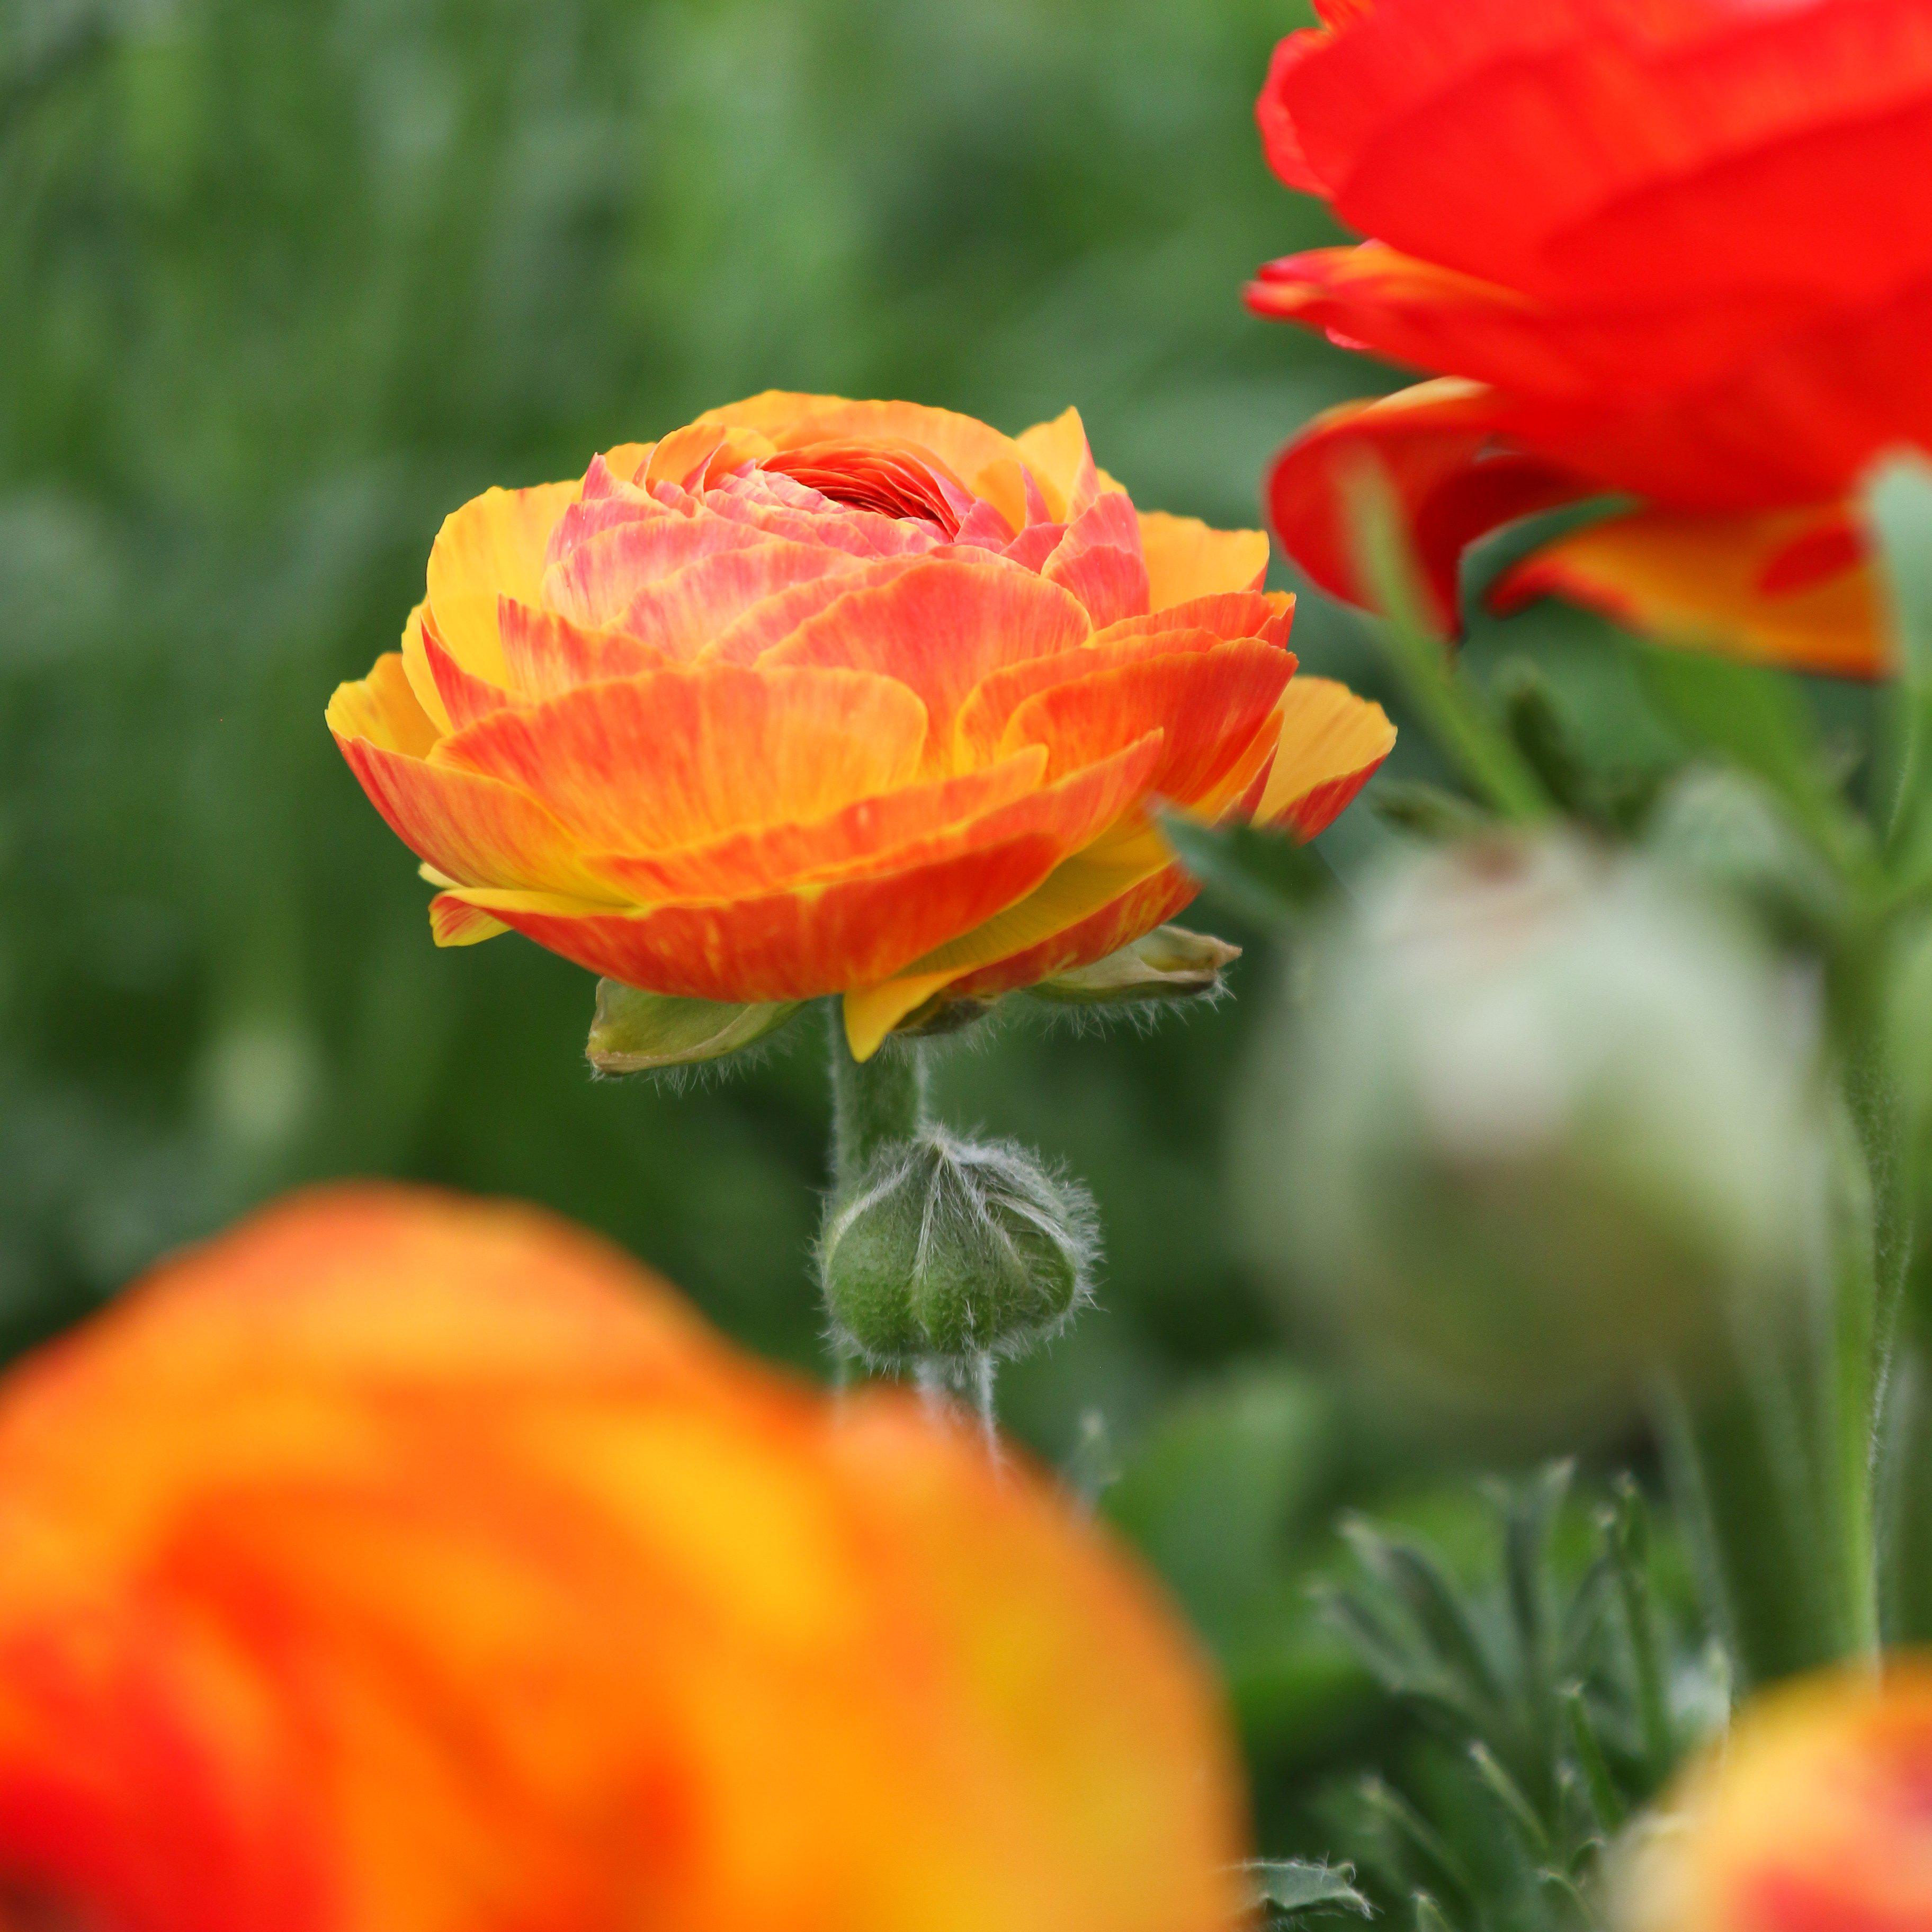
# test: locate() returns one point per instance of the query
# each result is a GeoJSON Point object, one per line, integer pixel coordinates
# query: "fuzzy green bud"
{"type": "Point", "coordinates": [950, 1250]}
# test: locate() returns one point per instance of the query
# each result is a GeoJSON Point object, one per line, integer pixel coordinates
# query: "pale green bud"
{"type": "Point", "coordinates": [947, 1249]}
{"type": "Point", "coordinates": [1544, 1123]}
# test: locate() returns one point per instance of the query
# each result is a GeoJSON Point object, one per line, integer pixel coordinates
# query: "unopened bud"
{"type": "Point", "coordinates": [1543, 1121]}
{"type": "Point", "coordinates": [949, 1250]}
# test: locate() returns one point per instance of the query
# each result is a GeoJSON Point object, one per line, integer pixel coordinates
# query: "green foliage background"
{"type": "Point", "coordinates": [283, 281]}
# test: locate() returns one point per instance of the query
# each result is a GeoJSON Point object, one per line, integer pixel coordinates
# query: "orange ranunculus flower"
{"type": "Point", "coordinates": [397, 1565]}
{"type": "Point", "coordinates": [816, 697]}
{"type": "Point", "coordinates": [1676, 249]}
{"type": "Point", "coordinates": [1814, 1816]}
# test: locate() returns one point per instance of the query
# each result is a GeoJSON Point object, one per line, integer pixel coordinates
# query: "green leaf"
{"type": "Point", "coordinates": [1428, 810]}
{"type": "Point", "coordinates": [1290, 1887]}
{"type": "Point", "coordinates": [1758, 720]}
{"type": "Point", "coordinates": [635, 1032]}
{"type": "Point", "coordinates": [1899, 506]}
{"type": "Point", "coordinates": [1170, 963]}
{"type": "Point", "coordinates": [1264, 876]}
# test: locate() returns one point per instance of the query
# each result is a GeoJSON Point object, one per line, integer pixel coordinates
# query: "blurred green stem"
{"type": "Point", "coordinates": [1454, 712]}
{"type": "Point", "coordinates": [873, 1103]}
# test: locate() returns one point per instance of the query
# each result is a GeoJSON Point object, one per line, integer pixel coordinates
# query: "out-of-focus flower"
{"type": "Point", "coordinates": [396, 1563]}
{"type": "Point", "coordinates": [1813, 1816]}
{"type": "Point", "coordinates": [1677, 249]}
{"type": "Point", "coordinates": [1540, 1117]}
{"type": "Point", "coordinates": [817, 697]}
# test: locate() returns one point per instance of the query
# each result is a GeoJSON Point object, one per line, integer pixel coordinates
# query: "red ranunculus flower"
{"type": "Point", "coordinates": [1680, 250]}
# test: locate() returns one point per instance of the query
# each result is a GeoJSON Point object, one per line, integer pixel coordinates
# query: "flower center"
{"type": "Point", "coordinates": [894, 479]}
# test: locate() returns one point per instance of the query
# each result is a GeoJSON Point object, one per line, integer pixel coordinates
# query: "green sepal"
{"type": "Point", "coordinates": [1170, 963]}
{"type": "Point", "coordinates": [1263, 876]}
{"type": "Point", "coordinates": [1286, 1889]}
{"type": "Point", "coordinates": [635, 1032]}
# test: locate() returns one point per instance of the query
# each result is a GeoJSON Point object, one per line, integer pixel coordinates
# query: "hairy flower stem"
{"type": "Point", "coordinates": [882, 1100]}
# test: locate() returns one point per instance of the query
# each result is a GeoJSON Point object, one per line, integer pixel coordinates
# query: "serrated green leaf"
{"type": "Point", "coordinates": [635, 1032]}
{"type": "Point", "coordinates": [1170, 963]}
{"type": "Point", "coordinates": [1290, 1888]}
{"type": "Point", "coordinates": [1264, 876]}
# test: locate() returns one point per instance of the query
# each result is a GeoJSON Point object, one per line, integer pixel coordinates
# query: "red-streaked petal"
{"type": "Point", "coordinates": [1229, 614]}
{"type": "Point", "coordinates": [1100, 561]}
{"type": "Point", "coordinates": [547, 654]}
{"type": "Point", "coordinates": [866, 834]}
{"type": "Point", "coordinates": [1332, 743]}
{"type": "Point", "coordinates": [1436, 445]}
{"type": "Point", "coordinates": [767, 625]}
{"type": "Point", "coordinates": [795, 944]}
{"type": "Point", "coordinates": [382, 709]}
{"type": "Point", "coordinates": [1209, 703]}
{"type": "Point", "coordinates": [1187, 560]}
{"type": "Point", "coordinates": [492, 546]}
{"type": "Point", "coordinates": [940, 627]}
{"type": "Point", "coordinates": [1751, 586]}
{"type": "Point", "coordinates": [680, 615]}
{"type": "Point", "coordinates": [672, 757]}
{"type": "Point", "coordinates": [594, 585]}
{"type": "Point", "coordinates": [1152, 902]}
{"type": "Point", "coordinates": [465, 697]}
{"type": "Point", "coordinates": [473, 829]}
{"type": "Point", "coordinates": [983, 719]}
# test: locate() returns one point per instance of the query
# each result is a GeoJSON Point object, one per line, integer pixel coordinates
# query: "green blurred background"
{"type": "Point", "coordinates": [283, 281]}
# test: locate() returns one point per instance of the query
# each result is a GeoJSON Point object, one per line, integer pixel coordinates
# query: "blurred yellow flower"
{"type": "Point", "coordinates": [1815, 1816]}
{"type": "Point", "coordinates": [405, 1565]}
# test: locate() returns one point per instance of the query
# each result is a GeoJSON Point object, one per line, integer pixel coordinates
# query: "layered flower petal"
{"type": "Point", "coordinates": [812, 692]}
{"type": "Point", "coordinates": [1813, 1816]}
{"type": "Point", "coordinates": [1677, 242]}
{"type": "Point", "coordinates": [400, 1561]}
{"type": "Point", "coordinates": [1789, 587]}
{"type": "Point", "coordinates": [672, 756]}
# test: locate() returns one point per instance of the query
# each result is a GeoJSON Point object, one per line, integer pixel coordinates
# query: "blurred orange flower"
{"type": "Point", "coordinates": [817, 697]}
{"type": "Point", "coordinates": [400, 1565]}
{"type": "Point", "coordinates": [1676, 249]}
{"type": "Point", "coordinates": [1815, 1816]}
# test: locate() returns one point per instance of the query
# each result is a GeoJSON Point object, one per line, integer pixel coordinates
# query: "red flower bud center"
{"type": "Point", "coordinates": [895, 479]}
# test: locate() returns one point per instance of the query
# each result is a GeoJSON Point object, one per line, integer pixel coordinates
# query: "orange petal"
{"type": "Point", "coordinates": [1781, 588]}
{"type": "Point", "coordinates": [547, 655]}
{"type": "Point", "coordinates": [382, 708]}
{"type": "Point", "coordinates": [792, 944]}
{"type": "Point", "coordinates": [1100, 561]}
{"type": "Point", "coordinates": [397, 1561]}
{"type": "Point", "coordinates": [1209, 704]}
{"type": "Point", "coordinates": [1054, 452]}
{"type": "Point", "coordinates": [680, 615]}
{"type": "Point", "coordinates": [1332, 743]}
{"type": "Point", "coordinates": [1152, 903]}
{"type": "Point", "coordinates": [453, 921]}
{"type": "Point", "coordinates": [867, 835]}
{"type": "Point", "coordinates": [465, 697]}
{"type": "Point", "coordinates": [766, 626]}
{"type": "Point", "coordinates": [471, 829]}
{"type": "Point", "coordinates": [493, 547]}
{"type": "Point", "coordinates": [940, 627]}
{"type": "Point", "coordinates": [671, 757]}
{"type": "Point", "coordinates": [1436, 444]}
{"type": "Point", "coordinates": [982, 720]}
{"type": "Point", "coordinates": [1269, 615]}
{"type": "Point", "coordinates": [594, 584]}
{"type": "Point", "coordinates": [964, 445]}
{"type": "Point", "coordinates": [1074, 892]}
{"type": "Point", "coordinates": [1186, 559]}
